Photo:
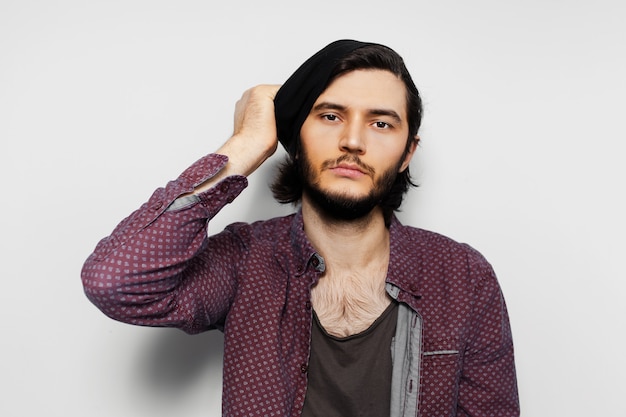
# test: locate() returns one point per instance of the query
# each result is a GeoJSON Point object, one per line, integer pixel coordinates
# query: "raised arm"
{"type": "Point", "coordinates": [158, 267]}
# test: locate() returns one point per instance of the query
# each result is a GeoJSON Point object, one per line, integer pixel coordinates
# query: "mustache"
{"type": "Point", "coordinates": [351, 159]}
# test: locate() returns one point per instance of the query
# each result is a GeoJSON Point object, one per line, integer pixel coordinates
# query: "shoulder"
{"type": "Point", "coordinates": [269, 230]}
{"type": "Point", "coordinates": [425, 247]}
{"type": "Point", "coordinates": [422, 240]}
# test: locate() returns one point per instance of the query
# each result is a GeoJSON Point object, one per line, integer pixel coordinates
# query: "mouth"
{"type": "Point", "coordinates": [348, 170]}
{"type": "Point", "coordinates": [348, 166]}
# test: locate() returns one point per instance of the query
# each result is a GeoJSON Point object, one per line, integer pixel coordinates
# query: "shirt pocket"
{"type": "Point", "coordinates": [441, 370]}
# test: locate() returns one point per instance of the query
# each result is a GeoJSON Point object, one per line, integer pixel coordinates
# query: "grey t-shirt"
{"type": "Point", "coordinates": [351, 376]}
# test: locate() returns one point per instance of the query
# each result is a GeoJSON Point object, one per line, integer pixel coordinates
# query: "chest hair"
{"type": "Point", "coordinates": [347, 303]}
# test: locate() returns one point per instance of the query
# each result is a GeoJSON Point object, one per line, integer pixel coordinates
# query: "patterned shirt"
{"type": "Point", "coordinates": [453, 353]}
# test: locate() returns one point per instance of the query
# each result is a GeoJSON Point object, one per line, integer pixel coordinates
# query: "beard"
{"type": "Point", "coordinates": [342, 206]}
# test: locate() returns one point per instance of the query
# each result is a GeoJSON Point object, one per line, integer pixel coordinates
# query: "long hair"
{"type": "Point", "coordinates": [289, 182]}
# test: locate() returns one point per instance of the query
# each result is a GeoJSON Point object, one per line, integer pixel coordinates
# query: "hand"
{"type": "Point", "coordinates": [254, 119]}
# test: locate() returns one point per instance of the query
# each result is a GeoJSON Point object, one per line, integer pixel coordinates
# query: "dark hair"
{"type": "Point", "coordinates": [288, 184]}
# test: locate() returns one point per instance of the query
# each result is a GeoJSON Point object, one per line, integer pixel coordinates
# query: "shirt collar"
{"type": "Point", "coordinates": [404, 260]}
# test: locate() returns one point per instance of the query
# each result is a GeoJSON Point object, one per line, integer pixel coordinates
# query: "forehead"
{"type": "Point", "coordinates": [371, 88]}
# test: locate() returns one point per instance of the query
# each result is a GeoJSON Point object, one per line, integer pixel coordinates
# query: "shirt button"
{"type": "Point", "coordinates": [318, 263]}
{"type": "Point", "coordinates": [308, 305]}
{"type": "Point", "coordinates": [304, 368]}
{"type": "Point", "coordinates": [157, 205]}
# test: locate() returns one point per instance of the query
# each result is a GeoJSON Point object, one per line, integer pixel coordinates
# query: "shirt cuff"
{"type": "Point", "coordinates": [221, 193]}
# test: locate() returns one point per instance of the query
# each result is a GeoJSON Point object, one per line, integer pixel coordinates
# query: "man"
{"type": "Point", "coordinates": [338, 309]}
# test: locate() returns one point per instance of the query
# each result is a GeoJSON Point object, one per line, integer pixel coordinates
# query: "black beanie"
{"type": "Point", "coordinates": [296, 97]}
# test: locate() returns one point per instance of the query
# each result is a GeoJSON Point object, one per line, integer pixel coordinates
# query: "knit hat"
{"type": "Point", "coordinates": [296, 97]}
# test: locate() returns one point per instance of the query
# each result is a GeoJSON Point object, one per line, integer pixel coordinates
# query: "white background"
{"type": "Point", "coordinates": [522, 157]}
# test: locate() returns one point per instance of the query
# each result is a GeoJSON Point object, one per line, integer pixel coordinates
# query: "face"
{"type": "Point", "coordinates": [354, 141]}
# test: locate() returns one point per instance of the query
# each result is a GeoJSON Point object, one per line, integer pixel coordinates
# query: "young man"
{"type": "Point", "coordinates": [338, 309]}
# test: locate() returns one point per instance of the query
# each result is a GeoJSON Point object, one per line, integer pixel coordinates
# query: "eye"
{"type": "Point", "coordinates": [330, 117]}
{"type": "Point", "coordinates": [382, 125]}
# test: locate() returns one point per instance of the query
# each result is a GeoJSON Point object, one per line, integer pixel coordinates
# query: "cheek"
{"type": "Point", "coordinates": [386, 154]}
{"type": "Point", "coordinates": [318, 148]}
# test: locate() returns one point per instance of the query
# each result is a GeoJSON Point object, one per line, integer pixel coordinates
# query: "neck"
{"type": "Point", "coordinates": [347, 243]}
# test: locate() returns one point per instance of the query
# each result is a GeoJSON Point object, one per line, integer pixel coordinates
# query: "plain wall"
{"type": "Point", "coordinates": [522, 146]}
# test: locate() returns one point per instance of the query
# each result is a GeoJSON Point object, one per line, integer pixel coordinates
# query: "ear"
{"type": "Point", "coordinates": [409, 154]}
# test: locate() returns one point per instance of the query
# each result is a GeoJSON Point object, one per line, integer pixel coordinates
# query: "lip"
{"type": "Point", "coordinates": [348, 170]}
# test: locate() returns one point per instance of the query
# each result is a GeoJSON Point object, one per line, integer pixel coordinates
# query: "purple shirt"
{"type": "Point", "coordinates": [253, 282]}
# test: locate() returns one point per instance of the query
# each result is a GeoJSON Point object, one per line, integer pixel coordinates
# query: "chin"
{"type": "Point", "coordinates": [350, 191]}
{"type": "Point", "coordinates": [342, 205]}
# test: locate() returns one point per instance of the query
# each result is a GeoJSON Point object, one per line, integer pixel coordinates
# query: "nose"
{"type": "Point", "coordinates": [352, 138]}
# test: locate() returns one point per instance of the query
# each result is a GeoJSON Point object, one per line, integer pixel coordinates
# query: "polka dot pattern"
{"type": "Point", "coordinates": [252, 281]}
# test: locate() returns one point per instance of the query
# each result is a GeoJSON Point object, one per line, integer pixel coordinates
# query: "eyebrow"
{"type": "Point", "coordinates": [326, 105]}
